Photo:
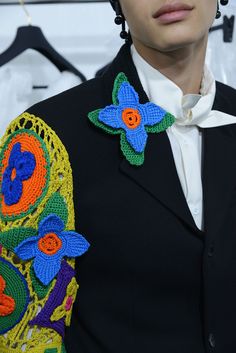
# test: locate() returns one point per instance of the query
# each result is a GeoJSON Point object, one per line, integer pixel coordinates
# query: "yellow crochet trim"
{"type": "Point", "coordinates": [22, 337]}
{"type": "Point", "coordinates": [41, 349]}
{"type": "Point", "coordinates": [60, 171]}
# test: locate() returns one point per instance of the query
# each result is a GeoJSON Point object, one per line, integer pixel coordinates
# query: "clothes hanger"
{"type": "Point", "coordinates": [32, 37]}
{"type": "Point", "coordinates": [228, 28]}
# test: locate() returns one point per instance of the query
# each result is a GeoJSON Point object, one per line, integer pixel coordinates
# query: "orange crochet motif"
{"type": "Point", "coordinates": [13, 174]}
{"type": "Point", "coordinates": [131, 118]}
{"type": "Point", "coordinates": [7, 304]}
{"type": "Point", "coordinates": [33, 187]}
{"type": "Point", "coordinates": [50, 244]}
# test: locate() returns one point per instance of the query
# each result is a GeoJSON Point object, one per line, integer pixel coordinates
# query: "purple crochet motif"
{"type": "Point", "coordinates": [55, 299]}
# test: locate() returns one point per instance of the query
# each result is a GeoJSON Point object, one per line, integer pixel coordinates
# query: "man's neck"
{"type": "Point", "coordinates": [183, 66]}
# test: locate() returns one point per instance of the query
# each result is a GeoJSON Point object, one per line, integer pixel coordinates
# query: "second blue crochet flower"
{"type": "Point", "coordinates": [50, 246]}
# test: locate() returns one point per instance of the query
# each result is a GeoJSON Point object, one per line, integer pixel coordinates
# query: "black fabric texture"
{"type": "Point", "coordinates": [151, 281]}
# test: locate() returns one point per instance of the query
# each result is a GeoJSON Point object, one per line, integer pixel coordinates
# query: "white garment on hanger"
{"type": "Point", "coordinates": [221, 56]}
{"type": "Point", "coordinates": [17, 92]}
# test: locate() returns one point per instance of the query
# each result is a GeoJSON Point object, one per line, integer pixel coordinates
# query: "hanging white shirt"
{"type": "Point", "coordinates": [191, 112]}
{"type": "Point", "coordinates": [17, 93]}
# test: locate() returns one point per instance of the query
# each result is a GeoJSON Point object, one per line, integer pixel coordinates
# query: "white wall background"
{"type": "Point", "coordinates": [84, 33]}
{"type": "Point", "coordinates": [221, 57]}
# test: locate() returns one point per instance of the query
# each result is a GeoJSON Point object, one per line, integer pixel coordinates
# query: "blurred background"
{"type": "Point", "coordinates": [84, 34]}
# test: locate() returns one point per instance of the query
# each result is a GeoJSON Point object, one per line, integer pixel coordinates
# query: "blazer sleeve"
{"type": "Point", "coordinates": [38, 240]}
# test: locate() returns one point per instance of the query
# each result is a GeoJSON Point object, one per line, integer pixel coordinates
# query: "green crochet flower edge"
{"type": "Point", "coordinates": [134, 158]}
{"type": "Point", "coordinates": [55, 350]}
{"type": "Point", "coordinates": [56, 205]}
{"type": "Point", "coordinates": [120, 78]}
{"type": "Point", "coordinates": [10, 239]}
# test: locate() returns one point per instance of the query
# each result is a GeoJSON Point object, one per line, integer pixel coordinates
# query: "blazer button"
{"type": "Point", "coordinates": [211, 340]}
{"type": "Point", "coordinates": [211, 250]}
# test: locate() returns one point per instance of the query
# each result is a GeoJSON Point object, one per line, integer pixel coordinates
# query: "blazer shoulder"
{"type": "Point", "coordinates": [77, 99]}
{"type": "Point", "coordinates": [226, 102]}
{"type": "Point", "coordinates": [68, 111]}
{"type": "Point", "coordinates": [223, 88]}
{"type": "Point", "coordinates": [227, 97]}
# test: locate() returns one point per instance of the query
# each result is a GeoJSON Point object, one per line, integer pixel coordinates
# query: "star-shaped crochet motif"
{"type": "Point", "coordinates": [131, 119]}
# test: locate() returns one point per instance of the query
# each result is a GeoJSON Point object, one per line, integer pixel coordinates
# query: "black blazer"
{"type": "Point", "coordinates": [151, 281]}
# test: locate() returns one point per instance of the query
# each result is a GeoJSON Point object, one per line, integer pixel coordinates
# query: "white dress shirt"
{"type": "Point", "coordinates": [191, 112]}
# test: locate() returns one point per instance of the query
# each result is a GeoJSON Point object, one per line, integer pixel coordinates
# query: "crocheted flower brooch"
{"type": "Point", "coordinates": [131, 120]}
{"type": "Point", "coordinates": [48, 245]}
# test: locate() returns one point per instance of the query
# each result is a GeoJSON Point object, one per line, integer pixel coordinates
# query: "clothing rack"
{"type": "Point", "coordinates": [228, 28]}
{"type": "Point", "coordinates": [50, 2]}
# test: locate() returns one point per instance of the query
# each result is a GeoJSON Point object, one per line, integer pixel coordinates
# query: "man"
{"type": "Point", "coordinates": [151, 144]}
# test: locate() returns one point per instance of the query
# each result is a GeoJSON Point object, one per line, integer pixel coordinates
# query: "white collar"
{"type": "Point", "coordinates": [190, 109]}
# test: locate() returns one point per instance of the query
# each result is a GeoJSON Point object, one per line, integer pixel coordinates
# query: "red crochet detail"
{"type": "Point", "coordinates": [7, 304]}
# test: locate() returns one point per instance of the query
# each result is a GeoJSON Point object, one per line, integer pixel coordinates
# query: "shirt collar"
{"type": "Point", "coordinates": [188, 109]}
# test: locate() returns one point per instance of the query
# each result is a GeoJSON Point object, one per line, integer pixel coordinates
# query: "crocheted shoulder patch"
{"type": "Point", "coordinates": [38, 243]}
{"type": "Point", "coordinates": [131, 120]}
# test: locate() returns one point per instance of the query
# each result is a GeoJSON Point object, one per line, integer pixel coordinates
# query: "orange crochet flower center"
{"type": "Point", "coordinates": [50, 244]}
{"type": "Point", "coordinates": [131, 118]}
{"type": "Point", "coordinates": [13, 174]}
{"type": "Point", "coordinates": [34, 186]}
{"type": "Point", "coordinates": [7, 304]}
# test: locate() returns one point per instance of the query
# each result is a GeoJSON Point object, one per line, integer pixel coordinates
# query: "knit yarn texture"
{"type": "Point", "coordinates": [130, 119]}
{"type": "Point", "coordinates": [38, 241]}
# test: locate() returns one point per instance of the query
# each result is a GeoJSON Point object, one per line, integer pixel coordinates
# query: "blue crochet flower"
{"type": "Point", "coordinates": [131, 116]}
{"type": "Point", "coordinates": [50, 246]}
{"type": "Point", "coordinates": [21, 166]}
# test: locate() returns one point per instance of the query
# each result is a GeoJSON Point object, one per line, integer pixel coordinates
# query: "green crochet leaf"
{"type": "Point", "coordinates": [120, 78]}
{"type": "Point", "coordinates": [57, 205]}
{"type": "Point", "coordinates": [93, 117]}
{"type": "Point", "coordinates": [63, 350]}
{"type": "Point", "coordinates": [13, 237]}
{"type": "Point", "coordinates": [132, 157]}
{"type": "Point", "coordinates": [54, 350]}
{"type": "Point", "coordinates": [38, 287]}
{"type": "Point", "coordinates": [166, 122]}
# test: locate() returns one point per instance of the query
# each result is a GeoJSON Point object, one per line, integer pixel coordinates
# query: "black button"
{"type": "Point", "coordinates": [211, 340]}
{"type": "Point", "coordinates": [211, 250]}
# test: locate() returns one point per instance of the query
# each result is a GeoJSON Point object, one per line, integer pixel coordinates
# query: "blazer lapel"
{"type": "Point", "coordinates": [159, 178]}
{"type": "Point", "coordinates": [158, 175]}
{"type": "Point", "coordinates": [219, 170]}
